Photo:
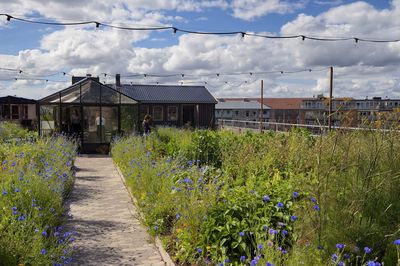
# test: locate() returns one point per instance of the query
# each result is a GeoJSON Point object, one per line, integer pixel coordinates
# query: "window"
{"type": "Point", "coordinates": [158, 113]}
{"type": "Point", "coordinates": [5, 112]}
{"type": "Point", "coordinates": [172, 114]}
{"type": "Point", "coordinates": [14, 112]}
{"type": "Point", "coordinates": [237, 112]}
{"type": "Point", "coordinates": [247, 113]}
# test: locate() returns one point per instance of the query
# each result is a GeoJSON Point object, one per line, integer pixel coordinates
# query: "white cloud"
{"type": "Point", "coordinates": [251, 9]}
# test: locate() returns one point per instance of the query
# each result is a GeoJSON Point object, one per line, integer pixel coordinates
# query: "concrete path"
{"type": "Point", "coordinates": [101, 211]}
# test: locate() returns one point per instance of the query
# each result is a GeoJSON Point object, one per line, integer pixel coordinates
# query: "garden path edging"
{"type": "Point", "coordinates": [164, 254]}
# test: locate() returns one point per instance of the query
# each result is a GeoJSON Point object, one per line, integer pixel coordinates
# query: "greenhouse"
{"type": "Point", "coordinates": [90, 111]}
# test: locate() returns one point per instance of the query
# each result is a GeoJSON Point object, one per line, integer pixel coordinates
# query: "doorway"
{"type": "Point", "coordinates": [188, 116]}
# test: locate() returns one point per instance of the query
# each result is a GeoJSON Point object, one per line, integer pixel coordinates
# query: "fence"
{"type": "Point", "coordinates": [242, 125]}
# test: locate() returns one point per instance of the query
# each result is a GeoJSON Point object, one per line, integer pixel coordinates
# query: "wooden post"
{"type": "Point", "coordinates": [330, 99]}
{"type": "Point", "coordinates": [261, 106]}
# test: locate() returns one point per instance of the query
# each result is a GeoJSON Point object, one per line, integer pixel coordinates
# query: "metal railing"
{"type": "Point", "coordinates": [242, 125]}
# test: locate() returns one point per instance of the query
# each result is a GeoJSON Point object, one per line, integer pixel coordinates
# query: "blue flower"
{"type": "Point", "coordinates": [396, 242]}
{"type": "Point", "coordinates": [177, 216]}
{"type": "Point", "coordinates": [340, 263]}
{"type": "Point", "coordinates": [340, 246]}
{"type": "Point", "coordinates": [269, 264]}
{"type": "Point", "coordinates": [21, 218]}
{"type": "Point", "coordinates": [43, 251]}
{"type": "Point", "coordinates": [284, 232]}
{"type": "Point", "coordinates": [5, 192]}
{"type": "Point", "coordinates": [265, 227]}
{"type": "Point", "coordinates": [367, 250]}
{"type": "Point", "coordinates": [260, 246]}
{"type": "Point", "coordinates": [316, 208]}
{"type": "Point", "coordinates": [280, 205]}
{"type": "Point", "coordinates": [227, 260]}
{"type": "Point", "coordinates": [44, 233]}
{"type": "Point", "coordinates": [346, 256]}
{"type": "Point", "coordinates": [293, 217]}
{"type": "Point", "coordinates": [242, 258]}
{"type": "Point", "coordinates": [241, 234]}
{"type": "Point", "coordinates": [371, 263]}
{"type": "Point", "coordinates": [17, 190]}
{"type": "Point", "coordinates": [272, 231]}
{"type": "Point", "coordinates": [14, 208]}
{"type": "Point", "coordinates": [334, 257]}
{"type": "Point", "coordinates": [199, 250]}
{"type": "Point", "coordinates": [295, 194]}
{"type": "Point", "coordinates": [266, 198]}
{"type": "Point", "coordinates": [313, 200]}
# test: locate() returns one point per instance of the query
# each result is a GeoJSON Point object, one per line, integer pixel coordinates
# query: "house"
{"type": "Point", "coordinates": [18, 110]}
{"type": "Point", "coordinates": [281, 110]}
{"type": "Point", "coordinates": [95, 112]}
{"type": "Point", "coordinates": [349, 111]}
{"type": "Point", "coordinates": [246, 110]}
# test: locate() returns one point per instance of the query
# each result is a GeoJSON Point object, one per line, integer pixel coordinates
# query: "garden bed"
{"type": "Point", "coordinates": [220, 197]}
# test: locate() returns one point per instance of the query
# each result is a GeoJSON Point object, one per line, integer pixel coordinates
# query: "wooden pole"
{"type": "Point", "coordinates": [330, 98]}
{"type": "Point", "coordinates": [261, 106]}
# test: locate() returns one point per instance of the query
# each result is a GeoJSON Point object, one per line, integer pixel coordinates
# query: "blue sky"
{"type": "Point", "coordinates": [40, 50]}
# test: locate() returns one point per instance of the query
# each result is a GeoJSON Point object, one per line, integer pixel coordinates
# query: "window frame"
{"type": "Point", "coordinates": [176, 113]}
{"type": "Point", "coordinates": [154, 113]}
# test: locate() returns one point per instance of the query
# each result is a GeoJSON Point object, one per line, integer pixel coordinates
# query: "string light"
{"type": "Point", "coordinates": [175, 30]}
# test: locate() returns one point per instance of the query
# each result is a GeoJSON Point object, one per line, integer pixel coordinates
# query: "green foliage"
{"type": "Point", "coordinates": [12, 132]}
{"type": "Point", "coordinates": [203, 192]}
{"type": "Point", "coordinates": [35, 179]}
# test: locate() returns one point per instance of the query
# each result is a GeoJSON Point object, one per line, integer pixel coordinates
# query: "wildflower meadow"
{"type": "Point", "coordinates": [36, 175]}
{"type": "Point", "coordinates": [221, 198]}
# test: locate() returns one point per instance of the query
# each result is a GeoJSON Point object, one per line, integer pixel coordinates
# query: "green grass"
{"type": "Point", "coordinates": [204, 193]}
{"type": "Point", "coordinates": [35, 178]}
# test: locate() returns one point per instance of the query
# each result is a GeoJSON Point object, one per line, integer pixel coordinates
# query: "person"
{"type": "Point", "coordinates": [100, 123]}
{"type": "Point", "coordinates": [146, 125]}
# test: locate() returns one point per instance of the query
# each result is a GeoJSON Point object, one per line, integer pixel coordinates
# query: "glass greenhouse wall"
{"type": "Point", "coordinates": [90, 111]}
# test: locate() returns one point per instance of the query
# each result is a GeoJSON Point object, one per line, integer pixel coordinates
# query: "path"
{"type": "Point", "coordinates": [101, 211]}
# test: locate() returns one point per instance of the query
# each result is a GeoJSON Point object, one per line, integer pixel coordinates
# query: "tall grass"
{"type": "Point", "coordinates": [205, 193]}
{"type": "Point", "coordinates": [35, 178]}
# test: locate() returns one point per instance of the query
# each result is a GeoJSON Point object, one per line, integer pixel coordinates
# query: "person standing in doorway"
{"type": "Point", "coordinates": [146, 125]}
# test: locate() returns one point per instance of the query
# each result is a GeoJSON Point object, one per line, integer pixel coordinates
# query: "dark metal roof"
{"type": "Point", "coordinates": [16, 100]}
{"type": "Point", "coordinates": [168, 94]}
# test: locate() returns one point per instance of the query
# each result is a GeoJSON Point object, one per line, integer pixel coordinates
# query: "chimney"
{"type": "Point", "coordinates": [118, 80]}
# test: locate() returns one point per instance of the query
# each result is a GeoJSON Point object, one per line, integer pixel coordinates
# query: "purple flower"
{"type": "Point", "coordinates": [313, 200]}
{"type": "Point", "coordinates": [44, 233]}
{"type": "Point", "coordinates": [199, 250]}
{"type": "Point", "coordinates": [242, 258]}
{"type": "Point", "coordinates": [269, 264]}
{"type": "Point", "coordinates": [266, 198]}
{"type": "Point", "coordinates": [14, 208]}
{"type": "Point", "coordinates": [340, 246]}
{"type": "Point", "coordinates": [293, 217]}
{"type": "Point", "coordinates": [371, 263]}
{"type": "Point", "coordinates": [284, 232]}
{"type": "Point", "coordinates": [260, 246]}
{"type": "Point", "coordinates": [43, 251]}
{"type": "Point", "coordinates": [17, 190]}
{"type": "Point", "coordinates": [340, 263]}
{"type": "Point", "coordinates": [241, 234]}
{"type": "Point", "coordinates": [21, 218]}
{"type": "Point", "coordinates": [396, 242]}
{"type": "Point", "coordinates": [346, 256]}
{"type": "Point", "coordinates": [280, 205]}
{"type": "Point", "coordinates": [5, 192]}
{"type": "Point", "coordinates": [367, 250]}
{"type": "Point", "coordinates": [295, 194]}
{"type": "Point", "coordinates": [177, 216]}
{"type": "Point", "coordinates": [316, 208]}
{"type": "Point", "coordinates": [272, 231]}
{"type": "Point", "coordinates": [265, 227]}
{"type": "Point", "coordinates": [334, 257]}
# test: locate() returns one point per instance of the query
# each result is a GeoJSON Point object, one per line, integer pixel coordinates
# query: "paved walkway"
{"type": "Point", "coordinates": [101, 211]}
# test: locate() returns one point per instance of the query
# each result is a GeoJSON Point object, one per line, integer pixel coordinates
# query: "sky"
{"type": "Point", "coordinates": [360, 69]}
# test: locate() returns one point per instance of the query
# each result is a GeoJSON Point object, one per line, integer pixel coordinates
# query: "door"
{"type": "Point", "coordinates": [188, 115]}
